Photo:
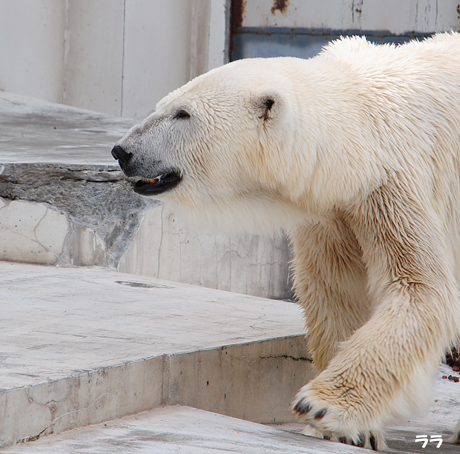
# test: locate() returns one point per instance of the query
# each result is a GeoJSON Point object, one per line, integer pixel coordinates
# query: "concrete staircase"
{"type": "Point", "coordinates": [93, 360]}
{"type": "Point", "coordinates": [84, 345]}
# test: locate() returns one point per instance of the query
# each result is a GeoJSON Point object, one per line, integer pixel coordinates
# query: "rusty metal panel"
{"type": "Point", "coordinates": [393, 16]}
{"type": "Point", "coordinates": [301, 27]}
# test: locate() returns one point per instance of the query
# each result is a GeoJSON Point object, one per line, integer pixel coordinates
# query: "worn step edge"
{"type": "Point", "coordinates": [255, 381]}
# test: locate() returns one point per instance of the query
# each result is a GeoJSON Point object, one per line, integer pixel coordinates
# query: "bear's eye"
{"type": "Point", "coordinates": [182, 114]}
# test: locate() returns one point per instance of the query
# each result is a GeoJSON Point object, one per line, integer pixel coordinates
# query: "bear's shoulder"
{"type": "Point", "coordinates": [352, 48]}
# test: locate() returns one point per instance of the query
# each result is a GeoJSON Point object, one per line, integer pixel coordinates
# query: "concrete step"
{"type": "Point", "coordinates": [64, 201]}
{"type": "Point", "coordinates": [185, 430]}
{"type": "Point", "coordinates": [82, 345]}
{"type": "Point", "coordinates": [182, 430]}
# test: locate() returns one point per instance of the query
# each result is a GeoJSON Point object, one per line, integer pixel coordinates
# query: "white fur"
{"type": "Point", "coordinates": [357, 157]}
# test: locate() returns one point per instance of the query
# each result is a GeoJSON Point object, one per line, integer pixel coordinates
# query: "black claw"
{"type": "Point", "coordinates": [297, 405]}
{"type": "Point", "coordinates": [343, 440]}
{"type": "Point", "coordinates": [320, 414]}
{"type": "Point", "coordinates": [361, 441]}
{"type": "Point", "coordinates": [305, 410]}
{"type": "Point", "coordinates": [302, 408]}
{"type": "Point", "coordinates": [326, 437]}
{"type": "Point", "coordinates": [373, 442]}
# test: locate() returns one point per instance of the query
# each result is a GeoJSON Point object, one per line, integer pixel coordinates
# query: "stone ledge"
{"type": "Point", "coordinates": [93, 199]}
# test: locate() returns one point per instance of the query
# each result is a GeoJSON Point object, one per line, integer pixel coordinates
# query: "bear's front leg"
{"type": "Point", "coordinates": [386, 369]}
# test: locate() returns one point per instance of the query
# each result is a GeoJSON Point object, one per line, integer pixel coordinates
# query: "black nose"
{"type": "Point", "coordinates": [121, 155]}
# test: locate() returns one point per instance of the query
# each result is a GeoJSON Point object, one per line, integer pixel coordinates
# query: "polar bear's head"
{"type": "Point", "coordinates": [225, 138]}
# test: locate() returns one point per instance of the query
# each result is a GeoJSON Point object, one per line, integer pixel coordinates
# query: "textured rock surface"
{"type": "Point", "coordinates": [95, 199]}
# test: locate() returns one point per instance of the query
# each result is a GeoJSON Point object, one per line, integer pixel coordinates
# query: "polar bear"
{"type": "Point", "coordinates": [355, 153]}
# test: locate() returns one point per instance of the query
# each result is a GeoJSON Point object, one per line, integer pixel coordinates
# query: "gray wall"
{"type": "Point", "coordinates": [114, 56]}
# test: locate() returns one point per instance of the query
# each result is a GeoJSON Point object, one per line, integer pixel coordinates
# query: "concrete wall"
{"type": "Point", "coordinates": [163, 248]}
{"type": "Point", "coordinates": [250, 264]}
{"type": "Point", "coordinates": [114, 56]}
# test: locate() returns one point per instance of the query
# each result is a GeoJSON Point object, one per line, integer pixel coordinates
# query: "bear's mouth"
{"type": "Point", "coordinates": [157, 185]}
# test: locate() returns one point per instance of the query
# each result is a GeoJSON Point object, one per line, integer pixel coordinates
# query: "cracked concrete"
{"type": "Point", "coordinates": [31, 233]}
{"type": "Point", "coordinates": [248, 264]}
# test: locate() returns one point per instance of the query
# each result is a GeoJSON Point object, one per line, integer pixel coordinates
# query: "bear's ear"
{"type": "Point", "coordinates": [266, 105]}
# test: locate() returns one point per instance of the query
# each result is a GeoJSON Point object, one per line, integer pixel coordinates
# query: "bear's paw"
{"type": "Point", "coordinates": [334, 422]}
